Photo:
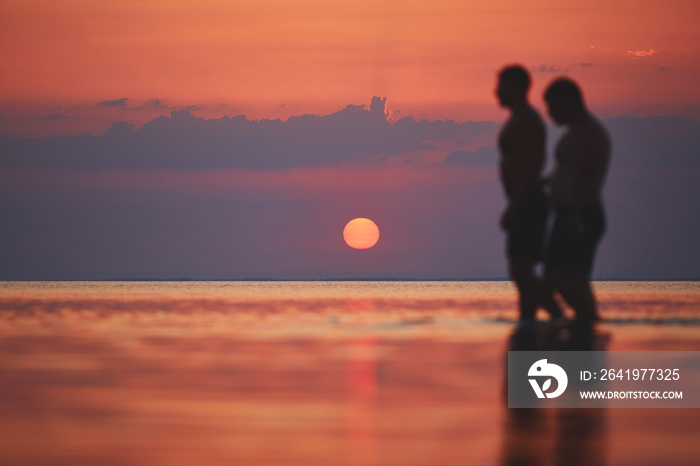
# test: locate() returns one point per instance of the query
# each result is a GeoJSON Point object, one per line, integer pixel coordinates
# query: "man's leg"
{"type": "Point", "coordinates": [523, 274]}
{"type": "Point", "coordinates": [546, 299]}
{"type": "Point", "coordinates": [576, 290]}
{"type": "Point", "coordinates": [533, 291]}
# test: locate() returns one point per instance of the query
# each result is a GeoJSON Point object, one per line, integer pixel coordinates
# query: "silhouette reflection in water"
{"type": "Point", "coordinates": [557, 436]}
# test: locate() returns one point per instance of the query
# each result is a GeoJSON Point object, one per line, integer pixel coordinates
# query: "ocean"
{"type": "Point", "coordinates": [312, 373]}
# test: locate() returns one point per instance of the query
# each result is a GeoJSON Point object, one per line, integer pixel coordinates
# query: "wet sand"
{"type": "Point", "coordinates": [311, 373]}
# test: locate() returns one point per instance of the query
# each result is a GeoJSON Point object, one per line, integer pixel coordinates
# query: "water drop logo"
{"type": "Point", "coordinates": [543, 369]}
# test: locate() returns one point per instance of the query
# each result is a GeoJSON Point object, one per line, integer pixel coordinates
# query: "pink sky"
{"type": "Point", "coordinates": [278, 58]}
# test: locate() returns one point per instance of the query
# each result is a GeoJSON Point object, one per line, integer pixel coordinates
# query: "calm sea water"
{"type": "Point", "coordinates": [326, 306]}
{"type": "Point", "coordinates": [312, 373]}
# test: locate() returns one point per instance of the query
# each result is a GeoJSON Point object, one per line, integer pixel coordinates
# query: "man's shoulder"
{"type": "Point", "coordinates": [529, 120]}
{"type": "Point", "coordinates": [589, 138]}
{"type": "Point", "coordinates": [531, 115]}
{"type": "Point", "coordinates": [589, 127]}
{"type": "Point", "coordinates": [595, 131]}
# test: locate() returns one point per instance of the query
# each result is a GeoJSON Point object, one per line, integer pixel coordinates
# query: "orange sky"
{"type": "Point", "coordinates": [276, 58]}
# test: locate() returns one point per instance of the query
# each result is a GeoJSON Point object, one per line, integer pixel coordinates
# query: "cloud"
{"type": "Point", "coordinates": [662, 68]}
{"type": "Point", "coordinates": [640, 53]}
{"type": "Point", "coordinates": [238, 224]}
{"type": "Point", "coordinates": [185, 142]}
{"type": "Point", "coordinates": [655, 141]}
{"type": "Point", "coordinates": [549, 69]}
{"type": "Point", "coordinates": [121, 103]}
{"type": "Point", "coordinates": [119, 129]}
{"type": "Point", "coordinates": [151, 104]}
{"type": "Point", "coordinates": [377, 107]}
{"type": "Point", "coordinates": [234, 198]}
{"type": "Point", "coordinates": [483, 156]}
{"type": "Point", "coordinates": [556, 69]}
{"type": "Point", "coordinates": [57, 116]}
{"type": "Point", "coordinates": [155, 104]}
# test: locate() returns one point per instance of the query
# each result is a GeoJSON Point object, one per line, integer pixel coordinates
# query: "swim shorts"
{"type": "Point", "coordinates": [525, 239]}
{"type": "Point", "coordinates": [574, 252]}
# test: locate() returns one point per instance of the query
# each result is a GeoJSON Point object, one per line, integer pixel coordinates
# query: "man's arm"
{"type": "Point", "coordinates": [530, 142]}
{"type": "Point", "coordinates": [585, 157]}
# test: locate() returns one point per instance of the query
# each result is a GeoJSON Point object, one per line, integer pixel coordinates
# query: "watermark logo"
{"type": "Point", "coordinates": [542, 368]}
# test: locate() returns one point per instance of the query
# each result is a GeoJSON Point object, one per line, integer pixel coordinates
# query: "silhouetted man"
{"type": "Point", "coordinates": [582, 159]}
{"type": "Point", "coordinates": [522, 146]}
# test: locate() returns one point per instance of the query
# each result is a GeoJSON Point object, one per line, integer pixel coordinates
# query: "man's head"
{"type": "Point", "coordinates": [564, 101]}
{"type": "Point", "coordinates": [513, 84]}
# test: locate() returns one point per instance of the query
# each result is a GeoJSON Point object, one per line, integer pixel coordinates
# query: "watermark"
{"type": "Point", "coordinates": [551, 371]}
{"type": "Point", "coordinates": [610, 379]}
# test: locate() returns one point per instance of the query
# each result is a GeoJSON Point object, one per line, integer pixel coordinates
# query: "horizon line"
{"type": "Point", "coordinates": [335, 279]}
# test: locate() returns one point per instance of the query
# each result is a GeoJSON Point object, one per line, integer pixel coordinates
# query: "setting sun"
{"type": "Point", "coordinates": [361, 233]}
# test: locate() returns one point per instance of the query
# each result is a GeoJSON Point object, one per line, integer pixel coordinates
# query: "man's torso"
{"type": "Point", "coordinates": [582, 156]}
{"type": "Point", "coordinates": [511, 143]}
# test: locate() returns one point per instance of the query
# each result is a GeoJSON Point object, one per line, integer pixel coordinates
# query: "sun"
{"type": "Point", "coordinates": [361, 233]}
